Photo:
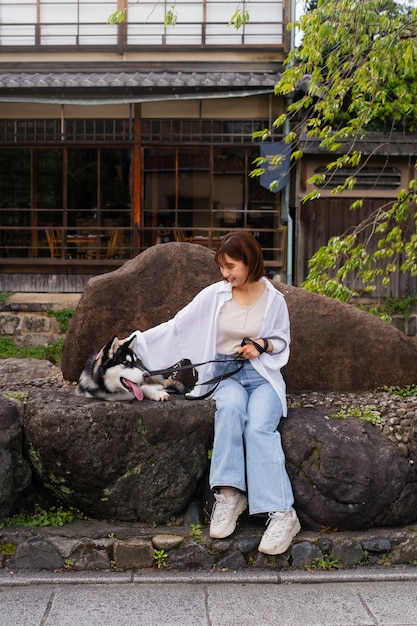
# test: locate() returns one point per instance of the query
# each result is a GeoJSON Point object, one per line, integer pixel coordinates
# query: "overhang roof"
{"type": "Point", "coordinates": [131, 86]}
{"type": "Point", "coordinates": [375, 144]}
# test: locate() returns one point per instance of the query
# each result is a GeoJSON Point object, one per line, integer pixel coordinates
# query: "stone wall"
{"type": "Point", "coordinates": [25, 317]}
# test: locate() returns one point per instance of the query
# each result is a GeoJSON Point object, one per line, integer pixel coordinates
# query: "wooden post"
{"type": "Point", "coordinates": [137, 176]}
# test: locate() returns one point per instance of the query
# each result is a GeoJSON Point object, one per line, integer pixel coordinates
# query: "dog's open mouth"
{"type": "Point", "coordinates": [133, 388]}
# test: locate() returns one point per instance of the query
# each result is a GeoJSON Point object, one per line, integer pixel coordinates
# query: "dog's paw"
{"type": "Point", "coordinates": [155, 392]}
{"type": "Point", "coordinates": [161, 396]}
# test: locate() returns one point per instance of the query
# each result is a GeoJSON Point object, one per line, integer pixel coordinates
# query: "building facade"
{"type": "Point", "coordinates": [114, 138]}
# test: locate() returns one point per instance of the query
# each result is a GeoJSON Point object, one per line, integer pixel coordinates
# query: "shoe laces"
{"type": "Point", "coordinates": [276, 523]}
{"type": "Point", "coordinates": [220, 508]}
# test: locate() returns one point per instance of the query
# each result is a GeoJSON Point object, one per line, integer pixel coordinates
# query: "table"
{"type": "Point", "coordinates": [86, 245]}
{"type": "Point", "coordinates": [205, 241]}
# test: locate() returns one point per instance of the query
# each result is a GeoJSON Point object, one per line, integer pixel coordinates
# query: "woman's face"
{"type": "Point", "coordinates": [234, 271]}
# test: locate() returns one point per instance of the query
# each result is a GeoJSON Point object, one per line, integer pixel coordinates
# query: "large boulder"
{"type": "Point", "coordinates": [15, 474]}
{"type": "Point", "coordinates": [337, 347]}
{"type": "Point", "coordinates": [131, 461]}
{"type": "Point", "coordinates": [334, 345]}
{"type": "Point", "coordinates": [345, 474]}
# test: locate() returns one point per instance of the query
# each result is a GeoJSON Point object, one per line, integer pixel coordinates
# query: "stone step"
{"type": "Point", "coordinates": [98, 545]}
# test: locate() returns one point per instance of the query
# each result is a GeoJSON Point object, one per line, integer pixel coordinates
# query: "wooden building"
{"type": "Point", "coordinates": [115, 138]}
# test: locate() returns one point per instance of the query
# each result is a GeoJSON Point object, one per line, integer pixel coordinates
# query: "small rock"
{"type": "Point", "coordinates": [167, 542]}
{"type": "Point", "coordinates": [36, 554]}
{"type": "Point", "coordinates": [133, 554]}
{"type": "Point", "coordinates": [377, 544]}
{"type": "Point", "coordinates": [190, 556]}
{"type": "Point", "coordinates": [304, 553]}
{"type": "Point", "coordinates": [233, 561]}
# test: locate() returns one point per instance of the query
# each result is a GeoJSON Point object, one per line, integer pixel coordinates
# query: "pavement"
{"type": "Point", "coordinates": [343, 598]}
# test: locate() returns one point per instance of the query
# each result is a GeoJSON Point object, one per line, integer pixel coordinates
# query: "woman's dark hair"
{"type": "Point", "coordinates": [241, 246]}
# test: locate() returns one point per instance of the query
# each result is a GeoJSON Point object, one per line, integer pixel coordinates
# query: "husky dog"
{"type": "Point", "coordinates": [116, 373]}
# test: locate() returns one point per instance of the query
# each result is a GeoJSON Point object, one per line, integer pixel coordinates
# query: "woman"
{"type": "Point", "coordinates": [248, 463]}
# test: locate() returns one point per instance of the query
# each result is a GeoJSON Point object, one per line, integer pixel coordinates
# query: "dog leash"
{"type": "Point", "coordinates": [217, 379]}
{"type": "Point", "coordinates": [179, 368]}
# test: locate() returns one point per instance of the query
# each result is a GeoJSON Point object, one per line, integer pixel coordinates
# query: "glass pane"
{"type": "Point", "coordinates": [14, 202]}
{"type": "Point", "coordinates": [14, 180]}
{"type": "Point", "coordinates": [48, 176]}
{"type": "Point", "coordinates": [115, 187]}
{"type": "Point", "coordinates": [229, 187]}
{"type": "Point", "coordinates": [194, 211]}
{"type": "Point", "coordinates": [48, 195]}
{"type": "Point", "coordinates": [160, 195]}
{"type": "Point", "coordinates": [263, 216]}
{"type": "Point", "coordinates": [82, 187]}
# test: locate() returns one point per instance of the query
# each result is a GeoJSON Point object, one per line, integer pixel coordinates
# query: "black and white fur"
{"type": "Point", "coordinates": [118, 374]}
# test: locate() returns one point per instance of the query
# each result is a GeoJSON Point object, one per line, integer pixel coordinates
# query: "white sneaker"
{"type": "Point", "coordinates": [225, 513]}
{"type": "Point", "coordinates": [282, 528]}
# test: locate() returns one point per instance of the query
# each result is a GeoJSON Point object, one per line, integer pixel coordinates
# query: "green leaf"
{"type": "Point", "coordinates": [170, 17]}
{"type": "Point", "coordinates": [117, 17]}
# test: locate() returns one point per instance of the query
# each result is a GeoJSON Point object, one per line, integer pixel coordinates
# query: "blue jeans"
{"type": "Point", "coordinates": [247, 450]}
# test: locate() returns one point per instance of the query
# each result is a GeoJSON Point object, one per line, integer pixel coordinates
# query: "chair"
{"type": "Point", "coordinates": [54, 243]}
{"type": "Point", "coordinates": [5, 241]}
{"type": "Point", "coordinates": [113, 245]}
{"type": "Point", "coordinates": [179, 234]}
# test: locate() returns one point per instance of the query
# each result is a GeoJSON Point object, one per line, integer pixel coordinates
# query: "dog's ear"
{"type": "Point", "coordinates": [111, 348]}
{"type": "Point", "coordinates": [130, 343]}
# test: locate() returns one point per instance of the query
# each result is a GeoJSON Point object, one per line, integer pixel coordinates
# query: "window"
{"type": "Point", "coordinates": [366, 177]}
{"type": "Point", "coordinates": [84, 23]}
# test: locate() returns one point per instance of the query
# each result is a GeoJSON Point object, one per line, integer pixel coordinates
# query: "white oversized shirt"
{"type": "Point", "coordinates": [191, 334]}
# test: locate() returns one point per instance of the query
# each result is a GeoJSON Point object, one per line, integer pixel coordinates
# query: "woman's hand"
{"type": "Point", "coordinates": [249, 350]}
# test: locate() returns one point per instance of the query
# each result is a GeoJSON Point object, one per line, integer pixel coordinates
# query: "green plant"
{"type": "Point", "coordinates": [272, 561]}
{"type": "Point", "coordinates": [40, 517]}
{"type": "Point", "coordinates": [63, 317]}
{"type": "Point", "coordinates": [171, 521]}
{"type": "Point", "coordinates": [403, 392]}
{"type": "Point", "coordinates": [339, 107]}
{"type": "Point", "coordinates": [385, 559]}
{"type": "Point", "coordinates": [69, 564]}
{"type": "Point", "coordinates": [366, 414]}
{"type": "Point", "coordinates": [17, 395]}
{"type": "Point", "coordinates": [196, 532]}
{"type": "Point", "coordinates": [171, 16]}
{"type": "Point", "coordinates": [365, 558]}
{"type": "Point", "coordinates": [7, 549]}
{"type": "Point", "coordinates": [239, 18]}
{"type": "Point", "coordinates": [5, 295]}
{"type": "Point", "coordinates": [160, 557]}
{"type": "Point", "coordinates": [8, 349]}
{"type": "Point", "coordinates": [325, 563]}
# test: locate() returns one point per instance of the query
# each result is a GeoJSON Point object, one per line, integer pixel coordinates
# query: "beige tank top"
{"type": "Point", "coordinates": [237, 321]}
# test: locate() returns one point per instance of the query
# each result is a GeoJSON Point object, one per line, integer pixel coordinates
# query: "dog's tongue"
{"type": "Point", "coordinates": [135, 389]}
